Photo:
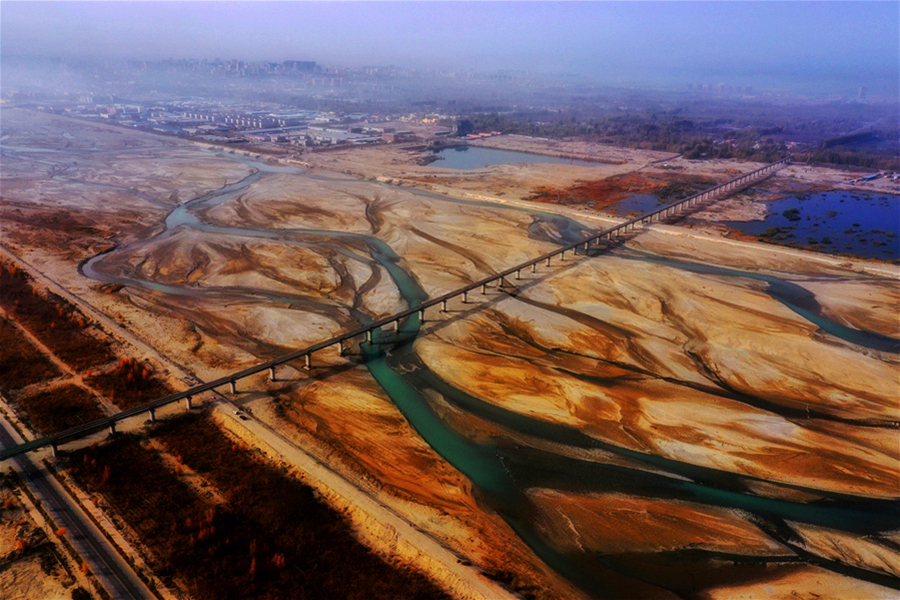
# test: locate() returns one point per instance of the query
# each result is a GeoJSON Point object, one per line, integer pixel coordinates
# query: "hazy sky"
{"type": "Point", "coordinates": [854, 42]}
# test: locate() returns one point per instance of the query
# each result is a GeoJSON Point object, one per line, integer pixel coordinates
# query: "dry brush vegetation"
{"type": "Point", "coordinates": [54, 321]}
{"type": "Point", "coordinates": [604, 194]}
{"type": "Point", "coordinates": [131, 383]}
{"type": "Point", "coordinates": [272, 538]}
{"type": "Point", "coordinates": [64, 330]}
{"type": "Point", "coordinates": [58, 409]}
{"type": "Point", "coordinates": [21, 364]}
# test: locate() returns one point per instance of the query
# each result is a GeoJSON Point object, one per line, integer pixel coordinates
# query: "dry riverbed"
{"type": "Point", "coordinates": [572, 378]}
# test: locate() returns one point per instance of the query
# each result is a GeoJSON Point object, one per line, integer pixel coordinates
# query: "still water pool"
{"type": "Point", "coordinates": [470, 157]}
{"type": "Point", "coordinates": [840, 222]}
{"type": "Point", "coordinates": [636, 205]}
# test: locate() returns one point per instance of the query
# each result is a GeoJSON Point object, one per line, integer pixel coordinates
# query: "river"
{"type": "Point", "coordinates": [503, 472]}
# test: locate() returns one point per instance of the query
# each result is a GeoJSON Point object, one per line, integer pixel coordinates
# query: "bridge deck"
{"type": "Point", "coordinates": [85, 429]}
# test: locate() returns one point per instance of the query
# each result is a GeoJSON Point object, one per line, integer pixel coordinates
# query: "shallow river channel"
{"type": "Point", "coordinates": [503, 471]}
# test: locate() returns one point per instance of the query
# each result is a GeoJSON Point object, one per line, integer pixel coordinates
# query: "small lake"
{"type": "Point", "coordinates": [838, 222]}
{"type": "Point", "coordinates": [636, 205]}
{"type": "Point", "coordinates": [471, 157]}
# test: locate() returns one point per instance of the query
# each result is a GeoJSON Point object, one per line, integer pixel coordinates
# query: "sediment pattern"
{"type": "Point", "coordinates": [670, 418]}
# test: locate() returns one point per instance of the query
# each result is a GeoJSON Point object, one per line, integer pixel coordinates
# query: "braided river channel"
{"type": "Point", "coordinates": [502, 469]}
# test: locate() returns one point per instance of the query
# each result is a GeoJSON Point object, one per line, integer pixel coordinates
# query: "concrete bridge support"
{"type": "Point", "coordinates": [272, 373]}
{"type": "Point", "coordinates": [188, 402]}
{"type": "Point", "coordinates": [152, 416]}
{"type": "Point", "coordinates": [307, 361]}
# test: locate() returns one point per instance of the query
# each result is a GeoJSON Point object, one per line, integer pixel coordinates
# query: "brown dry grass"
{"type": "Point", "coordinates": [54, 321]}
{"type": "Point", "coordinates": [605, 193]}
{"type": "Point", "coordinates": [21, 363]}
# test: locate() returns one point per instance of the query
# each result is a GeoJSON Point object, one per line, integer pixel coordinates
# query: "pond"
{"type": "Point", "coordinates": [838, 222]}
{"type": "Point", "coordinates": [471, 157]}
{"type": "Point", "coordinates": [636, 205]}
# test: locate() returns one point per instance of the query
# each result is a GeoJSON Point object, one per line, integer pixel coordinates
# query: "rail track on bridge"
{"type": "Point", "coordinates": [367, 331]}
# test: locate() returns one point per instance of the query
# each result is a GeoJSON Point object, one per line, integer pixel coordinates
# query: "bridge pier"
{"type": "Point", "coordinates": [368, 337]}
{"type": "Point", "coordinates": [465, 297]}
{"type": "Point", "coordinates": [55, 450]}
{"type": "Point", "coordinates": [272, 369]}
{"type": "Point", "coordinates": [722, 190]}
{"type": "Point", "coordinates": [518, 274]}
{"type": "Point", "coordinates": [443, 306]}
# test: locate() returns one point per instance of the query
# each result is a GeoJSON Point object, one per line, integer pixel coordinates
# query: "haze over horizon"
{"type": "Point", "coordinates": [825, 47]}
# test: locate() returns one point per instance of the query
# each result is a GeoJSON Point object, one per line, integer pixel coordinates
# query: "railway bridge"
{"type": "Point", "coordinates": [393, 321]}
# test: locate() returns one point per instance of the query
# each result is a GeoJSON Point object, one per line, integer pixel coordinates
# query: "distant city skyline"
{"type": "Point", "coordinates": [805, 46]}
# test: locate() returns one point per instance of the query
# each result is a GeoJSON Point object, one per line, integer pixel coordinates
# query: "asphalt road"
{"type": "Point", "coordinates": [104, 561]}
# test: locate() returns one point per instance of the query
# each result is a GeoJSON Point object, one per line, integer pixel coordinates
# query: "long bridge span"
{"type": "Point", "coordinates": [367, 331]}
